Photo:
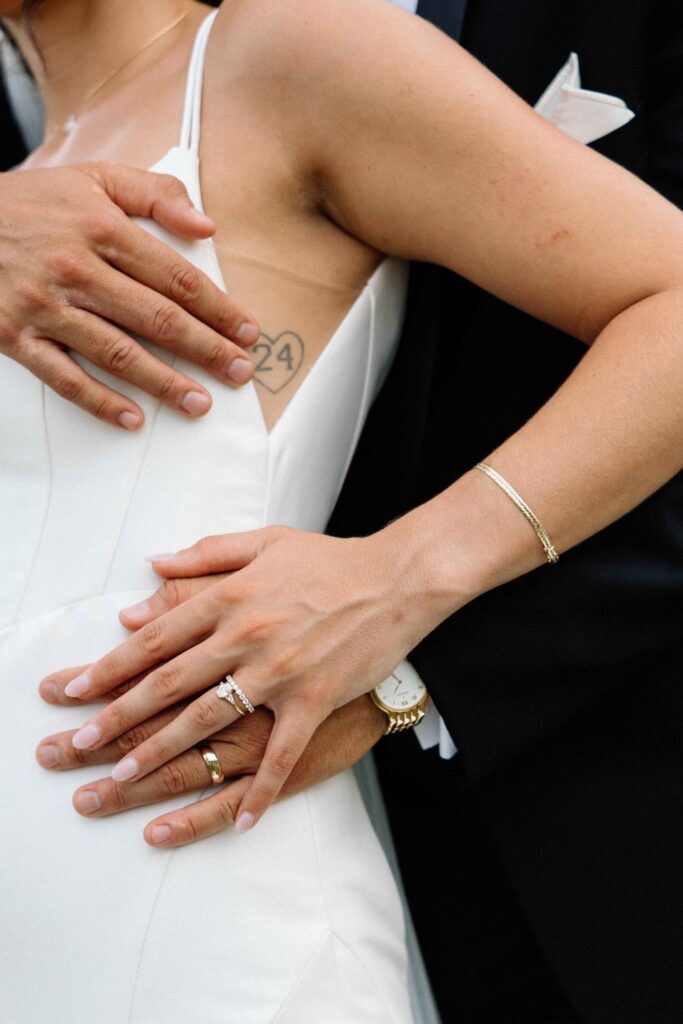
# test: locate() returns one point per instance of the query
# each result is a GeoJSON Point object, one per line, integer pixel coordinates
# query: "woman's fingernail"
{"type": "Point", "coordinates": [248, 333]}
{"type": "Point", "coordinates": [47, 755]}
{"type": "Point", "coordinates": [125, 769]}
{"type": "Point", "coordinates": [160, 558]}
{"type": "Point", "coordinates": [86, 737]}
{"type": "Point", "coordinates": [241, 370]}
{"type": "Point", "coordinates": [244, 823]}
{"type": "Point", "coordinates": [137, 611]}
{"type": "Point", "coordinates": [78, 686]}
{"type": "Point", "coordinates": [49, 691]}
{"type": "Point", "coordinates": [196, 403]}
{"type": "Point", "coordinates": [161, 833]}
{"type": "Point", "coordinates": [87, 802]}
{"type": "Point", "coordinates": [129, 420]}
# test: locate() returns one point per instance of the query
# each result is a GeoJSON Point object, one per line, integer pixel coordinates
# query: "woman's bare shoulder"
{"type": "Point", "coordinates": [300, 38]}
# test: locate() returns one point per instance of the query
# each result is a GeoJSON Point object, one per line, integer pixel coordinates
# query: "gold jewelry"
{"type": "Point", "coordinates": [530, 516]}
{"type": "Point", "coordinates": [229, 690]}
{"type": "Point", "coordinates": [213, 764]}
{"type": "Point", "coordinates": [72, 120]}
{"type": "Point", "coordinates": [402, 699]}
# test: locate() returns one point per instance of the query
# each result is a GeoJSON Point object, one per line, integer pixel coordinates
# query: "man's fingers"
{"type": "Point", "coordinates": [122, 356]}
{"type": "Point", "coordinates": [53, 686]}
{"type": "Point", "coordinates": [185, 774]}
{"type": "Point", "coordinates": [203, 818]}
{"type": "Point", "coordinates": [170, 594]}
{"type": "Point", "coordinates": [159, 197]}
{"type": "Point", "coordinates": [162, 320]}
{"type": "Point", "coordinates": [291, 735]}
{"type": "Point", "coordinates": [147, 260]}
{"type": "Point", "coordinates": [51, 364]}
{"type": "Point", "coordinates": [57, 752]}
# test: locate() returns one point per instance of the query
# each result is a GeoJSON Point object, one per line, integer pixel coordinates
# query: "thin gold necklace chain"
{"type": "Point", "coordinates": [72, 120]}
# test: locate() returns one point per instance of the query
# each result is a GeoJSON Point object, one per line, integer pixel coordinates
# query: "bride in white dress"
{"type": "Point", "coordinates": [300, 920]}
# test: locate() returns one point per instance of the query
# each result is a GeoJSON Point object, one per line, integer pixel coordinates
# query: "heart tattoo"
{"type": "Point", "coordinates": [279, 359]}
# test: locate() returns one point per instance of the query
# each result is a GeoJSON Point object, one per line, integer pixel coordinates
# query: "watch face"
{"type": "Point", "coordinates": [401, 691]}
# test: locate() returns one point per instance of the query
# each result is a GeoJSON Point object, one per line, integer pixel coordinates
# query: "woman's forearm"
{"type": "Point", "coordinates": [607, 439]}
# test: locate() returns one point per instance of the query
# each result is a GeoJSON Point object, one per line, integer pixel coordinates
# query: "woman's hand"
{"type": "Point", "coordinates": [308, 624]}
{"type": "Point", "coordinates": [340, 741]}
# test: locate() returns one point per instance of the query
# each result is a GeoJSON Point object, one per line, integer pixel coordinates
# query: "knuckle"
{"type": "Point", "coordinates": [74, 756]}
{"type": "Point", "coordinates": [166, 388]}
{"type": "Point", "coordinates": [114, 796]}
{"type": "Point", "coordinates": [133, 738]}
{"type": "Point", "coordinates": [165, 323]}
{"type": "Point", "coordinates": [168, 683]}
{"type": "Point", "coordinates": [32, 298]}
{"type": "Point", "coordinates": [226, 809]}
{"type": "Point", "coordinates": [229, 319]}
{"type": "Point", "coordinates": [171, 592]}
{"type": "Point", "coordinates": [71, 268]}
{"type": "Point", "coordinates": [116, 721]}
{"type": "Point", "coordinates": [284, 761]}
{"type": "Point", "coordinates": [216, 356]}
{"type": "Point", "coordinates": [184, 285]}
{"type": "Point", "coordinates": [188, 829]}
{"type": "Point", "coordinates": [67, 386]}
{"type": "Point", "coordinates": [100, 227]}
{"type": "Point", "coordinates": [119, 356]}
{"type": "Point", "coordinates": [203, 715]}
{"type": "Point", "coordinates": [151, 638]}
{"type": "Point", "coordinates": [102, 409]}
{"type": "Point", "coordinates": [173, 778]}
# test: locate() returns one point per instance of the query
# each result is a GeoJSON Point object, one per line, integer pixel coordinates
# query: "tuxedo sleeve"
{"type": "Point", "coordinates": [533, 657]}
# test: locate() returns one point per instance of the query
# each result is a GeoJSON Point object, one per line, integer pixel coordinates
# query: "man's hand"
{"type": "Point", "coordinates": [305, 622]}
{"type": "Point", "coordinates": [76, 272]}
{"type": "Point", "coordinates": [338, 743]}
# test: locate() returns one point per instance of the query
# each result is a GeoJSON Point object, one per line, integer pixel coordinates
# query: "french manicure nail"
{"type": "Point", "coordinates": [129, 420]}
{"type": "Point", "coordinates": [244, 823]}
{"type": "Point", "coordinates": [78, 686]}
{"type": "Point", "coordinates": [47, 755]}
{"type": "Point", "coordinates": [125, 769]}
{"type": "Point", "coordinates": [160, 558]}
{"type": "Point", "coordinates": [87, 801]}
{"type": "Point", "coordinates": [86, 737]}
{"type": "Point", "coordinates": [137, 611]}
{"type": "Point", "coordinates": [241, 370]}
{"type": "Point", "coordinates": [248, 333]}
{"type": "Point", "coordinates": [196, 403]}
{"type": "Point", "coordinates": [161, 833]}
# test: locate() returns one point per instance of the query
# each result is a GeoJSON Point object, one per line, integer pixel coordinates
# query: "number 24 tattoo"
{"type": "Point", "coordinates": [279, 359]}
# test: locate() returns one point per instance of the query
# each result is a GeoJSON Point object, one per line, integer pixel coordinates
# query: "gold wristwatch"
{"type": "Point", "coordinates": [402, 697]}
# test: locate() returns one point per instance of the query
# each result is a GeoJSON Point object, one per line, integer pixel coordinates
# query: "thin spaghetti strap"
{"type": "Point", "coordinates": [192, 110]}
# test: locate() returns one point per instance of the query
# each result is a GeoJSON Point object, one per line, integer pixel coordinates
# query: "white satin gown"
{"type": "Point", "coordinates": [299, 921]}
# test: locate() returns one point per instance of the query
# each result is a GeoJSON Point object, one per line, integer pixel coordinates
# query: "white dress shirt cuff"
{"type": "Point", "coordinates": [432, 732]}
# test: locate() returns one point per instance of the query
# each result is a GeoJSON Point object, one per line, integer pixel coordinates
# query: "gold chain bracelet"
{"type": "Point", "coordinates": [530, 516]}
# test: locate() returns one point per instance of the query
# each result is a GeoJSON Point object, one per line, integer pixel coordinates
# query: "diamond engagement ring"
{"type": "Point", "coordinates": [229, 690]}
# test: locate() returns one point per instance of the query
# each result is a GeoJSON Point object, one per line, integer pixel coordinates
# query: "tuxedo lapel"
{"type": "Point", "coordinates": [448, 15]}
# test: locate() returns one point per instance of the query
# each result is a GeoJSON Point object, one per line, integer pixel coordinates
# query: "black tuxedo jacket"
{"type": "Point", "coordinates": [555, 840]}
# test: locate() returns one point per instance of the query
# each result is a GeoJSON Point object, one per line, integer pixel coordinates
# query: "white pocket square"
{"type": "Point", "coordinates": [583, 114]}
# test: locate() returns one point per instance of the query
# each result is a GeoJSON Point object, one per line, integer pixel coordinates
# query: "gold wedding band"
{"type": "Point", "coordinates": [213, 764]}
